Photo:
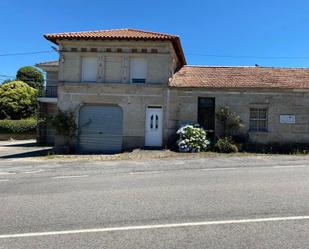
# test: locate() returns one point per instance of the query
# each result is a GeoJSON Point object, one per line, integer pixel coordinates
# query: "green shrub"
{"type": "Point", "coordinates": [18, 126]}
{"type": "Point", "coordinates": [17, 100]}
{"type": "Point", "coordinates": [277, 148]}
{"type": "Point", "coordinates": [192, 139]}
{"type": "Point", "coordinates": [229, 121]}
{"type": "Point", "coordinates": [225, 145]}
{"type": "Point", "coordinates": [63, 122]}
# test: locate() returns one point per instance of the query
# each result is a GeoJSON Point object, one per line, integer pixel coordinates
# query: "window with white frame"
{"type": "Point", "coordinates": [89, 69]}
{"type": "Point", "coordinates": [258, 119]}
{"type": "Point", "coordinates": [138, 70]}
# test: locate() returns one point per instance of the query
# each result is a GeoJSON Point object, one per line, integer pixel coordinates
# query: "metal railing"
{"type": "Point", "coordinates": [51, 91]}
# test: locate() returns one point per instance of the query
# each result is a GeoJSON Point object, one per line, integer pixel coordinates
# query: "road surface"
{"type": "Point", "coordinates": [224, 202]}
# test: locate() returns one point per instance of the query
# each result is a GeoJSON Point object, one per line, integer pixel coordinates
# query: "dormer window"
{"type": "Point", "coordinates": [138, 70]}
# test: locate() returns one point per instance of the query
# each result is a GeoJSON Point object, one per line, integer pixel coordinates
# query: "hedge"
{"type": "Point", "coordinates": [18, 126]}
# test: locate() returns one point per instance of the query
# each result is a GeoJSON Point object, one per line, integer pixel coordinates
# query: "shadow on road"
{"type": "Point", "coordinates": [36, 153]}
{"type": "Point", "coordinates": [22, 149]}
{"type": "Point", "coordinates": [33, 144]}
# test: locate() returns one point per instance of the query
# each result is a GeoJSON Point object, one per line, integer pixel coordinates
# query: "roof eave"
{"type": "Point", "coordinates": [175, 41]}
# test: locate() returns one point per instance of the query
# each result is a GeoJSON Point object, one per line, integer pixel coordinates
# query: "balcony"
{"type": "Point", "coordinates": [51, 92]}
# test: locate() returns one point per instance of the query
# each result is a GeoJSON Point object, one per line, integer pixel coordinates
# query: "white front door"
{"type": "Point", "coordinates": [153, 136]}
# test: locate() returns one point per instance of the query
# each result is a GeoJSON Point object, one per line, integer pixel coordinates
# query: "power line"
{"type": "Point", "coordinates": [252, 57]}
{"type": "Point", "coordinates": [28, 53]}
{"type": "Point", "coordinates": [14, 77]}
{"type": "Point", "coordinates": [194, 54]}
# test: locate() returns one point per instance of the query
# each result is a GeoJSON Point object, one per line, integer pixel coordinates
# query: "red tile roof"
{"type": "Point", "coordinates": [241, 77]}
{"type": "Point", "coordinates": [48, 63]}
{"type": "Point", "coordinates": [120, 34]}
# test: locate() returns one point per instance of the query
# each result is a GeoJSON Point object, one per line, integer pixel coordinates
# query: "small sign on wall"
{"type": "Point", "coordinates": [287, 119]}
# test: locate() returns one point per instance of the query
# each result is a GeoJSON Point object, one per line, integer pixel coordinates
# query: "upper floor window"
{"type": "Point", "coordinates": [138, 70]}
{"type": "Point", "coordinates": [258, 119]}
{"type": "Point", "coordinates": [89, 69]}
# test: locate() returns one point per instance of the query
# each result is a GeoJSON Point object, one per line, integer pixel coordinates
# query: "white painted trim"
{"type": "Point", "coordinates": [48, 100]}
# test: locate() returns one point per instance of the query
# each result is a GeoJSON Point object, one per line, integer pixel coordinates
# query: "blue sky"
{"type": "Point", "coordinates": [262, 28]}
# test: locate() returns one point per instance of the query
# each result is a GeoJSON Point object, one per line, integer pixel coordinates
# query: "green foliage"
{"type": "Point", "coordinates": [64, 123]}
{"type": "Point", "coordinates": [17, 100]}
{"type": "Point", "coordinates": [192, 139]}
{"type": "Point", "coordinates": [32, 76]}
{"type": "Point", "coordinates": [225, 145]}
{"type": "Point", "coordinates": [18, 126]}
{"type": "Point", "coordinates": [229, 121]}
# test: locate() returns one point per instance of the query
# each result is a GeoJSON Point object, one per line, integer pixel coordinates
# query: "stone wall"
{"type": "Point", "coordinates": [160, 64]}
{"type": "Point", "coordinates": [45, 132]}
{"type": "Point", "coordinates": [184, 108]}
{"type": "Point", "coordinates": [133, 99]}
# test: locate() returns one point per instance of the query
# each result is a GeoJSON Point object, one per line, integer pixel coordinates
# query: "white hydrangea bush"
{"type": "Point", "coordinates": [192, 139]}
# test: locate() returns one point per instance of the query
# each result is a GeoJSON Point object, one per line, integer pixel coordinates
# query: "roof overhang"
{"type": "Point", "coordinates": [48, 100]}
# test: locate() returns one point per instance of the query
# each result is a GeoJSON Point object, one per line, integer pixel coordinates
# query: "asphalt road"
{"type": "Point", "coordinates": [225, 202]}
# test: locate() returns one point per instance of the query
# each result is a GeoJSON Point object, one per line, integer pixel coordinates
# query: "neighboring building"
{"type": "Point", "coordinates": [131, 88]}
{"type": "Point", "coordinates": [48, 104]}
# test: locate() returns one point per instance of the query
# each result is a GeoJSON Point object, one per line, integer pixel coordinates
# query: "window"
{"type": "Point", "coordinates": [89, 69]}
{"type": "Point", "coordinates": [138, 70]}
{"type": "Point", "coordinates": [258, 119]}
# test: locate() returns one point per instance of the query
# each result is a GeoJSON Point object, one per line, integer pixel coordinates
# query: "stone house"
{"type": "Point", "coordinates": [131, 88]}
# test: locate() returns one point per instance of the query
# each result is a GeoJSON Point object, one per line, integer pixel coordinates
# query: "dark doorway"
{"type": "Point", "coordinates": [206, 116]}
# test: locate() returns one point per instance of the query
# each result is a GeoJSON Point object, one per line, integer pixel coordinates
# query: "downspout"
{"type": "Point", "coordinates": [167, 113]}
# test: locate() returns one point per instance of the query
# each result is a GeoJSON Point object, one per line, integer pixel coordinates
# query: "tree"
{"type": "Point", "coordinates": [32, 76]}
{"type": "Point", "coordinates": [17, 100]}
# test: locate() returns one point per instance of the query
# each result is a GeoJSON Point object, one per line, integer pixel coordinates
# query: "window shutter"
{"type": "Point", "coordinates": [138, 70]}
{"type": "Point", "coordinates": [89, 69]}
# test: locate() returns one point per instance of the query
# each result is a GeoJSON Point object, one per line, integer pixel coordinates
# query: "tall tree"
{"type": "Point", "coordinates": [32, 76]}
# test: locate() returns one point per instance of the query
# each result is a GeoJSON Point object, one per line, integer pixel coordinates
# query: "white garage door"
{"type": "Point", "coordinates": [100, 129]}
